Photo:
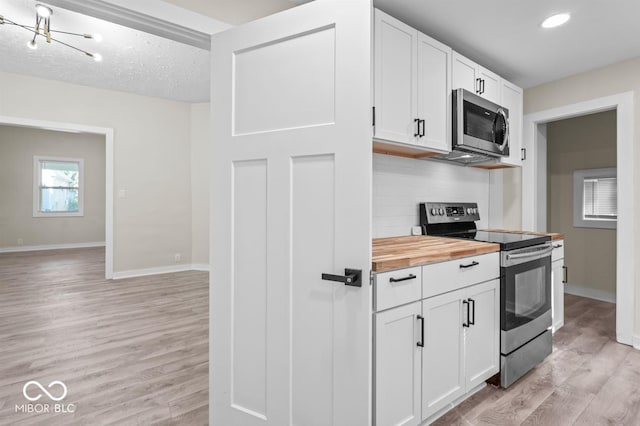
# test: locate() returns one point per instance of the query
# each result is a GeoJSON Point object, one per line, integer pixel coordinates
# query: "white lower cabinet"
{"type": "Point", "coordinates": [557, 285]}
{"type": "Point", "coordinates": [462, 339]}
{"type": "Point", "coordinates": [432, 352]}
{"type": "Point", "coordinates": [397, 365]}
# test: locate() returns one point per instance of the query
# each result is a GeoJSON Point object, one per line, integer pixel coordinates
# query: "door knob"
{"type": "Point", "coordinates": [352, 277]}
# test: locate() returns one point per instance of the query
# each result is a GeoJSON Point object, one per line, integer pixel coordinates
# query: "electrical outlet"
{"type": "Point", "coordinates": [177, 257]}
{"type": "Point", "coordinates": [20, 241]}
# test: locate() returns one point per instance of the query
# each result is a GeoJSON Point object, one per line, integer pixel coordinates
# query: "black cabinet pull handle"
{"type": "Point", "coordinates": [421, 129]}
{"type": "Point", "coordinates": [352, 277]}
{"type": "Point", "coordinates": [470, 265]}
{"type": "Point", "coordinates": [482, 84]}
{"type": "Point", "coordinates": [523, 154]}
{"type": "Point", "coordinates": [473, 312]}
{"type": "Point", "coordinates": [397, 280]}
{"type": "Point", "coordinates": [557, 245]}
{"type": "Point", "coordinates": [565, 279]}
{"type": "Point", "coordinates": [421, 342]}
{"type": "Point", "coordinates": [466, 303]}
{"type": "Point", "coordinates": [478, 85]}
{"type": "Point", "coordinates": [417, 123]}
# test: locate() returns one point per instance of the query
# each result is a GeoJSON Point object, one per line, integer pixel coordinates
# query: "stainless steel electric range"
{"type": "Point", "coordinates": [525, 284]}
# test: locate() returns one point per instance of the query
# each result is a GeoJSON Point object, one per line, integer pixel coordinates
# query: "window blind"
{"type": "Point", "coordinates": [600, 198]}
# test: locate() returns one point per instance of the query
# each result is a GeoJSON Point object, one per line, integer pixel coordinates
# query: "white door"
{"type": "Point", "coordinates": [490, 86]}
{"type": "Point", "coordinates": [434, 92]}
{"type": "Point", "coordinates": [482, 339]}
{"type": "Point", "coordinates": [442, 366]}
{"type": "Point", "coordinates": [512, 100]}
{"type": "Point", "coordinates": [395, 80]}
{"type": "Point", "coordinates": [291, 196]}
{"type": "Point", "coordinates": [398, 334]}
{"type": "Point", "coordinates": [464, 73]}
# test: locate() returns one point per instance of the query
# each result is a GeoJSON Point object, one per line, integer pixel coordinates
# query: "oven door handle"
{"type": "Point", "coordinates": [537, 253]}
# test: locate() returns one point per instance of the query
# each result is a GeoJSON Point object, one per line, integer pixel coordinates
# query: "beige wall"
{"type": "Point", "coordinates": [613, 79]}
{"type": "Point", "coordinates": [200, 181]}
{"type": "Point", "coordinates": [18, 146]}
{"type": "Point", "coordinates": [587, 142]}
{"type": "Point", "coordinates": [152, 161]}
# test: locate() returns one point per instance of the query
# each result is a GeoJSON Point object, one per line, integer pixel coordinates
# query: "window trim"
{"type": "Point", "coordinates": [578, 198]}
{"type": "Point", "coordinates": [37, 172]}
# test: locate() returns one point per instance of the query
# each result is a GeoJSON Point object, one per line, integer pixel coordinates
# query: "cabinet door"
{"type": "Point", "coordinates": [464, 73]}
{"type": "Point", "coordinates": [397, 366]}
{"type": "Point", "coordinates": [395, 79]}
{"type": "Point", "coordinates": [482, 337]}
{"type": "Point", "coordinates": [512, 100]}
{"type": "Point", "coordinates": [442, 367]}
{"type": "Point", "coordinates": [434, 93]}
{"type": "Point", "coordinates": [557, 295]}
{"type": "Point", "coordinates": [490, 85]}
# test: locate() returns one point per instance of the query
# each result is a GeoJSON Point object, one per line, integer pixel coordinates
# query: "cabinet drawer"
{"type": "Point", "coordinates": [395, 288]}
{"type": "Point", "coordinates": [451, 275]}
{"type": "Point", "coordinates": [558, 250]}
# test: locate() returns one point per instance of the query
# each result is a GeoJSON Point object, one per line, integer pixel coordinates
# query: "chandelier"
{"type": "Point", "coordinates": [43, 29]}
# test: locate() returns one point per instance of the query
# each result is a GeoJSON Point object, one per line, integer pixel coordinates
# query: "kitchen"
{"type": "Point", "coordinates": [336, 366]}
{"type": "Point", "coordinates": [304, 161]}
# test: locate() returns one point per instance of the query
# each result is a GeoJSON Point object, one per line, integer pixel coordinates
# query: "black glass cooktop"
{"type": "Point", "coordinates": [507, 240]}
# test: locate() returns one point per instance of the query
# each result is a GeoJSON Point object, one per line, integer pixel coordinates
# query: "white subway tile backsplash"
{"type": "Point", "coordinates": [400, 184]}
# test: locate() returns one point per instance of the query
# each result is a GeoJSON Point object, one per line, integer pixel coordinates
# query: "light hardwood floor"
{"type": "Point", "coordinates": [589, 379]}
{"type": "Point", "coordinates": [135, 351]}
{"type": "Point", "coordinates": [131, 351]}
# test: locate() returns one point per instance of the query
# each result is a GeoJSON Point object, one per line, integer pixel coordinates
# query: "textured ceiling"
{"type": "Point", "coordinates": [133, 61]}
{"type": "Point", "coordinates": [505, 35]}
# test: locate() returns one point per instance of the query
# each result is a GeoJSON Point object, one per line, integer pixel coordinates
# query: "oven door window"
{"type": "Point", "coordinates": [526, 292]}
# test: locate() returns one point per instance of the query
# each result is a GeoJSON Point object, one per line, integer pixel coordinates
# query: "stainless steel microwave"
{"type": "Point", "coordinates": [479, 126]}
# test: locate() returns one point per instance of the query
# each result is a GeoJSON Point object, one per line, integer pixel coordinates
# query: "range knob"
{"type": "Point", "coordinates": [469, 210]}
{"type": "Point", "coordinates": [441, 212]}
{"type": "Point", "coordinates": [475, 210]}
{"type": "Point", "coordinates": [434, 212]}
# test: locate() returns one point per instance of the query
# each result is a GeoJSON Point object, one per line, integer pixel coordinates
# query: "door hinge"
{"type": "Point", "coordinates": [523, 154]}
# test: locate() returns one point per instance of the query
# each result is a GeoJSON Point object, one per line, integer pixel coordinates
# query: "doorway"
{"type": "Point", "coordinates": [108, 144]}
{"type": "Point", "coordinates": [534, 191]}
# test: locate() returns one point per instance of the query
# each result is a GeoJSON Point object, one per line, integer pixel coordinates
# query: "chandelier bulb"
{"type": "Point", "coordinates": [97, 57]}
{"type": "Point", "coordinates": [43, 11]}
{"type": "Point", "coordinates": [32, 45]}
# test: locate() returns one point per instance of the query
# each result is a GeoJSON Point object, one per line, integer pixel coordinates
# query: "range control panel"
{"type": "Point", "coordinates": [448, 212]}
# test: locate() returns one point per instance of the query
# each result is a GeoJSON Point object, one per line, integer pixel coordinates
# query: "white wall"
{"type": "Point", "coordinates": [152, 161]}
{"type": "Point", "coordinates": [400, 184]}
{"type": "Point", "coordinates": [18, 227]}
{"type": "Point", "coordinates": [200, 182]}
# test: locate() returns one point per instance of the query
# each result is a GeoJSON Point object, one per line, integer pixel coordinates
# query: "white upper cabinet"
{"type": "Point", "coordinates": [434, 93]}
{"type": "Point", "coordinates": [512, 100]}
{"type": "Point", "coordinates": [475, 78]}
{"type": "Point", "coordinates": [412, 86]}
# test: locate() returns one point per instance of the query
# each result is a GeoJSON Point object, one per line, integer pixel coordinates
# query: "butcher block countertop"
{"type": "Point", "coordinates": [402, 252]}
{"type": "Point", "coordinates": [553, 235]}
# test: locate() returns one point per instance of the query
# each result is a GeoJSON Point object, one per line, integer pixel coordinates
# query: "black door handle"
{"type": "Point", "coordinates": [469, 265]}
{"type": "Point", "coordinates": [565, 279]}
{"type": "Point", "coordinates": [421, 342]}
{"type": "Point", "coordinates": [352, 277]}
{"type": "Point", "coordinates": [417, 123]}
{"type": "Point", "coordinates": [464, 302]}
{"type": "Point", "coordinates": [397, 280]}
{"type": "Point", "coordinates": [473, 312]}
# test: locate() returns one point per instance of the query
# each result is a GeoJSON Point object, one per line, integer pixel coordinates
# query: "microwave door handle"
{"type": "Point", "coordinates": [505, 139]}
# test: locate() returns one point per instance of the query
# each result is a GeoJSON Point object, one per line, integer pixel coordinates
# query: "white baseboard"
{"type": "Point", "coordinates": [16, 249]}
{"type": "Point", "coordinates": [200, 267]}
{"type": "Point", "coordinates": [590, 293]}
{"type": "Point", "coordinates": [159, 270]}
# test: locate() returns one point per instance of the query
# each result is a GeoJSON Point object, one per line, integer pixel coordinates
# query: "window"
{"type": "Point", "coordinates": [595, 198]}
{"type": "Point", "coordinates": [58, 187]}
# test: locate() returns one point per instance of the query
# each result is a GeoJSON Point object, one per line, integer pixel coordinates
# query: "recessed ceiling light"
{"type": "Point", "coordinates": [556, 20]}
